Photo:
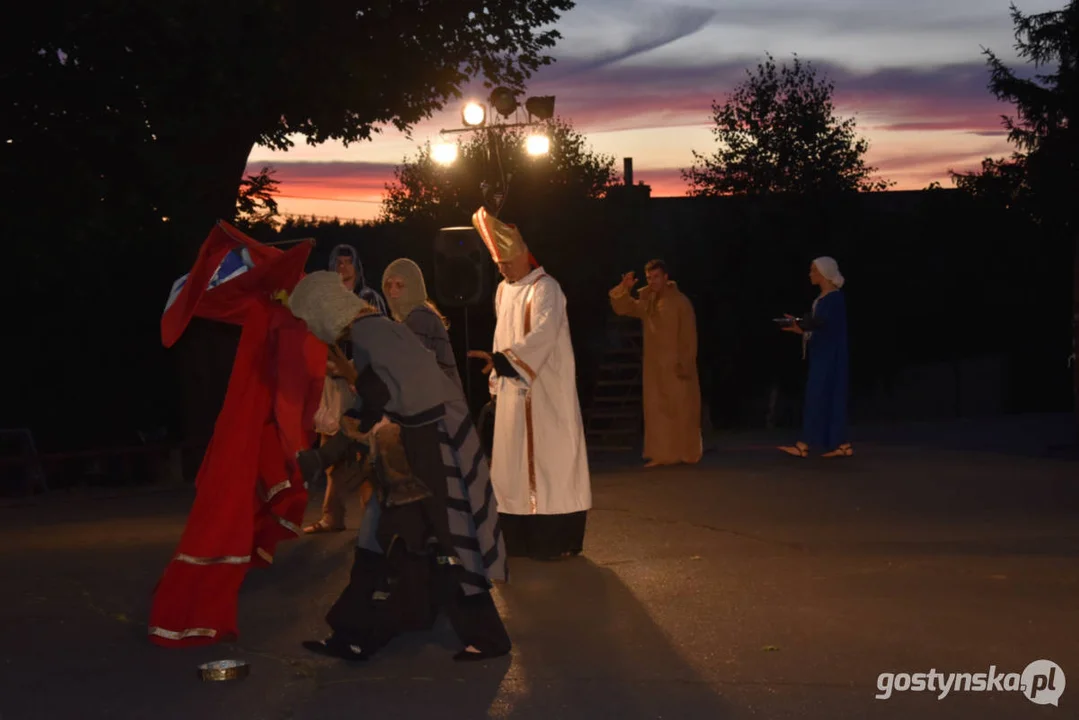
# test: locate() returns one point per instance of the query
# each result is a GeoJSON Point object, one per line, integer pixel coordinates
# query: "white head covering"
{"type": "Point", "coordinates": [829, 268]}
{"type": "Point", "coordinates": [323, 302]}
{"type": "Point", "coordinates": [415, 290]}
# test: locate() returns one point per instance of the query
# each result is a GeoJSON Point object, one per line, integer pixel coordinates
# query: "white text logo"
{"type": "Point", "coordinates": [1042, 682]}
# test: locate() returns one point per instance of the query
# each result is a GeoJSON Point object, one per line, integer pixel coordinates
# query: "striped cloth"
{"type": "Point", "coordinates": [472, 510]}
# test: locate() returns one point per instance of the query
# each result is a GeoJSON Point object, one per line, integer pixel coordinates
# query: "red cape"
{"type": "Point", "coordinates": [249, 494]}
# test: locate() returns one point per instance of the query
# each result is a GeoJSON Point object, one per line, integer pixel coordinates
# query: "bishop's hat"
{"type": "Point", "coordinates": [503, 241]}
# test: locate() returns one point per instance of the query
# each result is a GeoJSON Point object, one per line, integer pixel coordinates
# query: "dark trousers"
{"type": "Point", "coordinates": [403, 591]}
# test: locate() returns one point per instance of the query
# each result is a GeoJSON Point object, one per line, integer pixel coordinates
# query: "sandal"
{"type": "Point", "coordinates": [322, 527]}
{"type": "Point", "coordinates": [467, 655]}
{"type": "Point", "coordinates": [799, 449]}
{"type": "Point", "coordinates": [844, 450]}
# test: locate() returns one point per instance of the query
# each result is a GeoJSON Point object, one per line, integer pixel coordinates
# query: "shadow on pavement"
{"type": "Point", "coordinates": [585, 647]}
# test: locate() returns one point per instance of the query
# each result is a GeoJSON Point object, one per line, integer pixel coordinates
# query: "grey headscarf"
{"type": "Point", "coordinates": [327, 307]}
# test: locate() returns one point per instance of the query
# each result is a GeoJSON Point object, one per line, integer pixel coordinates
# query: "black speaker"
{"type": "Point", "coordinates": [461, 261]}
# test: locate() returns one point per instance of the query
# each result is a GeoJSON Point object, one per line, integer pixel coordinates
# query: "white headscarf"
{"type": "Point", "coordinates": [323, 302]}
{"type": "Point", "coordinates": [829, 268]}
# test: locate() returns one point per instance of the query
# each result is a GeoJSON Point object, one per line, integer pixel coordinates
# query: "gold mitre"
{"type": "Point", "coordinates": [503, 241]}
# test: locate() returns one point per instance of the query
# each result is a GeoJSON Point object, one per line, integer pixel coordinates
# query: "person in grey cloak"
{"type": "Point", "coordinates": [432, 541]}
{"type": "Point", "coordinates": [406, 294]}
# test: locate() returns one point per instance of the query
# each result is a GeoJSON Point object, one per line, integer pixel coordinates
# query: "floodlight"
{"type": "Point", "coordinates": [541, 106]}
{"type": "Point", "coordinates": [537, 145]}
{"type": "Point", "coordinates": [473, 114]}
{"type": "Point", "coordinates": [444, 153]}
{"type": "Point", "coordinates": [504, 101]}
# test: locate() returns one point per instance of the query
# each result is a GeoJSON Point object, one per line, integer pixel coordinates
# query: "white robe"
{"type": "Point", "coordinates": [539, 463]}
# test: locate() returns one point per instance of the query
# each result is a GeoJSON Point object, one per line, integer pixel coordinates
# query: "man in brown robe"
{"type": "Point", "coordinates": [672, 392]}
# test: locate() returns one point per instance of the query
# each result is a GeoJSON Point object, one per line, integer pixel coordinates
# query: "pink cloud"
{"type": "Point", "coordinates": [621, 98]}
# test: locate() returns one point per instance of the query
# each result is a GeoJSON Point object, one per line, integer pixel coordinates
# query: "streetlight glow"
{"type": "Point", "coordinates": [537, 145]}
{"type": "Point", "coordinates": [444, 153]}
{"type": "Point", "coordinates": [473, 114]}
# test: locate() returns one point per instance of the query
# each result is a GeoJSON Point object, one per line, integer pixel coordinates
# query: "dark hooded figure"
{"type": "Point", "coordinates": [346, 261]}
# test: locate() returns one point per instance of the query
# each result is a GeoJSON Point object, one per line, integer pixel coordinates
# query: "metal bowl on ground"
{"type": "Point", "coordinates": [219, 670]}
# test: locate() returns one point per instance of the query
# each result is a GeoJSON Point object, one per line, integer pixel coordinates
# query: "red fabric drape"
{"type": "Point", "coordinates": [249, 494]}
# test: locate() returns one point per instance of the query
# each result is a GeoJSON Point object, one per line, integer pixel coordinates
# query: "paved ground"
{"type": "Point", "coordinates": [751, 586]}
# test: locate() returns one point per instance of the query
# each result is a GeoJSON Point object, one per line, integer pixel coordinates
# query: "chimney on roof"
{"type": "Point", "coordinates": [627, 171]}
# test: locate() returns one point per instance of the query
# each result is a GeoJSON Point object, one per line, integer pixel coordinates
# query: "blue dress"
{"type": "Point", "coordinates": [824, 416]}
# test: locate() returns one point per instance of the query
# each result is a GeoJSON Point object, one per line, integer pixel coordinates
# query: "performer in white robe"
{"type": "Point", "coordinates": [539, 462]}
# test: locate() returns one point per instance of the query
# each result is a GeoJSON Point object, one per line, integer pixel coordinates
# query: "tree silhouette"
{"type": "Point", "coordinates": [778, 133]}
{"type": "Point", "coordinates": [255, 201]}
{"type": "Point", "coordinates": [1041, 179]}
{"type": "Point", "coordinates": [425, 190]}
{"type": "Point", "coordinates": [168, 99]}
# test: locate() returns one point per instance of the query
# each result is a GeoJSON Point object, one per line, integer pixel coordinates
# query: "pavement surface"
{"type": "Point", "coordinates": [752, 585]}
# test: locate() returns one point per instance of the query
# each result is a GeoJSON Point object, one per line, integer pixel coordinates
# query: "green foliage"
{"type": "Point", "coordinates": [255, 201]}
{"type": "Point", "coordinates": [1000, 182]}
{"type": "Point", "coordinates": [426, 191]}
{"type": "Point", "coordinates": [778, 133]}
{"type": "Point", "coordinates": [1041, 178]}
{"type": "Point", "coordinates": [156, 106]}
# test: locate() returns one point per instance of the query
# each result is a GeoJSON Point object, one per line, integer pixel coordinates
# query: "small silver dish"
{"type": "Point", "coordinates": [220, 670]}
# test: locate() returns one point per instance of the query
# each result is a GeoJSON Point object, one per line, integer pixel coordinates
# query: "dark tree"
{"type": "Point", "coordinates": [255, 202]}
{"type": "Point", "coordinates": [175, 95]}
{"type": "Point", "coordinates": [778, 133]}
{"type": "Point", "coordinates": [1042, 178]}
{"type": "Point", "coordinates": [425, 190]}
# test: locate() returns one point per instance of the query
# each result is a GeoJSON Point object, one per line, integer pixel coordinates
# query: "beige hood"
{"type": "Point", "coordinates": [323, 302]}
{"type": "Point", "coordinates": [415, 290]}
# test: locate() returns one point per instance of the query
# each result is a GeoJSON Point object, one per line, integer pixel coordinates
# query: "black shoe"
{"type": "Point", "coordinates": [335, 649]}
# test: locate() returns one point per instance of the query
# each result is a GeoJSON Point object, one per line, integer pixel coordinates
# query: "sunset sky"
{"type": "Point", "coordinates": [638, 77]}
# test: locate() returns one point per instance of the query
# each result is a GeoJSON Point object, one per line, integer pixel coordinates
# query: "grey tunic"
{"type": "Point", "coordinates": [416, 386]}
{"type": "Point", "coordinates": [431, 331]}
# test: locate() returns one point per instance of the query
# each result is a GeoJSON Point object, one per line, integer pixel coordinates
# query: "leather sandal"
{"type": "Point", "coordinates": [844, 450]}
{"type": "Point", "coordinates": [321, 527]}
{"type": "Point", "coordinates": [799, 449]}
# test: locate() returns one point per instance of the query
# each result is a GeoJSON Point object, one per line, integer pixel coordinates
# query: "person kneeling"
{"type": "Point", "coordinates": [431, 541]}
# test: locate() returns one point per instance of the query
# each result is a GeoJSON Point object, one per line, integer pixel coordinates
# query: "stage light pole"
{"type": "Point", "coordinates": [476, 117]}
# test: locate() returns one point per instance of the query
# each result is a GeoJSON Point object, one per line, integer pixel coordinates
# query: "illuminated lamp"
{"type": "Point", "coordinates": [473, 114]}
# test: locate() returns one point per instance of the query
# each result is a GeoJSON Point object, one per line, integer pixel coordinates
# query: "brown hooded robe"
{"type": "Point", "coordinates": [672, 392]}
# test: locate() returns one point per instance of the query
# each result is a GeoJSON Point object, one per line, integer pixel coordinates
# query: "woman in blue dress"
{"type": "Point", "coordinates": [824, 340]}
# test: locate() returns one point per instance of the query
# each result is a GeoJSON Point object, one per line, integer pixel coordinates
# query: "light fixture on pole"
{"type": "Point", "coordinates": [504, 101]}
{"type": "Point", "coordinates": [537, 145]}
{"type": "Point", "coordinates": [473, 115]}
{"type": "Point", "coordinates": [541, 106]}
{"type": "Point", "coordinates": [444, 153]}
